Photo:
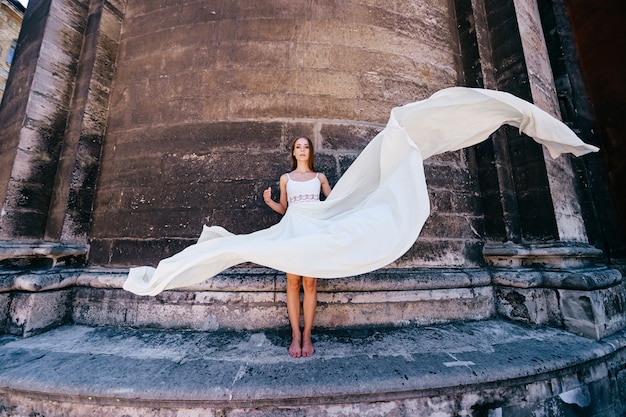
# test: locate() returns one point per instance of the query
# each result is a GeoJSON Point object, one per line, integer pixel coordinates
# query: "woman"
{"type": "Point", "coordinates": [300, 185]}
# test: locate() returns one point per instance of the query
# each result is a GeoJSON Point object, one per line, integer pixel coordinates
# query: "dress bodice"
{"type": "Point", "coordinates": [303, 191]}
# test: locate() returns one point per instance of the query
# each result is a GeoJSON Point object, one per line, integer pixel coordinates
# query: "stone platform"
{"type": "Point", "coordinates": [479, 368]}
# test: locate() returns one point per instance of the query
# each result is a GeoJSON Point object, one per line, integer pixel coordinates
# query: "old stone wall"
{"type": "Point", "coordinates": [11, 18]}
{"type": "Point", "coordinates": [207, 97]}
{"type": "Point", "coordinates": [22, 166]}
{"type": "Point", "coordinates": [54, 117]}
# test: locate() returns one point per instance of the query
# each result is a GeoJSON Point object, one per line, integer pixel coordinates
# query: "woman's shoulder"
{"type": "Point", "coordinates": [321, 176]}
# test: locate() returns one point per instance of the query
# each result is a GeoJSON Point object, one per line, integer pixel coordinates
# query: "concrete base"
{"type": "Point", "coordinates": [486, 368]}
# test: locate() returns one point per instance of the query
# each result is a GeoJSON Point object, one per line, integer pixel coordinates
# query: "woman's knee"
{"type": "Point", "coordinates": [293, 282]}
{"type": "Point", "coordinates": [309, 284]}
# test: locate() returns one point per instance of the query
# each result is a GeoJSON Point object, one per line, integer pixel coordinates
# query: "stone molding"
{"type": "Point", "coordinates": [241, 298]}
{"type": "Point", "coordinates": [41, 254]}
{"type": "Point", "coordinates": [550, 255]}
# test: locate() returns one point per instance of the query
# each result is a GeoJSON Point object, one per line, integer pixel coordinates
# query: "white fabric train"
{"type": "Point", "coordinates": [378, 207]}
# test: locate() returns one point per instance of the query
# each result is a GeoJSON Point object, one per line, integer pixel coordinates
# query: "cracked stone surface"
{"type": "Point", "coordinates": [218, 366]}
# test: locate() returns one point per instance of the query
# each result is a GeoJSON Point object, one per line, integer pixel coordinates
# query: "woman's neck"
{"type": "Point", "coordinates": [302, 167]}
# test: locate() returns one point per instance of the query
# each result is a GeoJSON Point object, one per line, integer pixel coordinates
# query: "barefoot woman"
{"type": "Point", "coordinates": [300, 185]}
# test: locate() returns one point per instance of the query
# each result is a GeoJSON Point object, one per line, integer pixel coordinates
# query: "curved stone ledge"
{"type": "Point", "coordinates": [254, 298]}
{"type": "Point", "coordinates": [571, 278]}
{"type": "Point", "coordinates": [41, 254]}
{"type": "Point", "coordinates": [554, 255]}
{"type": "Point", "coordinates": [241, 298]}
{"type": "Point", "coordinates": [252, 279]}
{"type": "Point", "coordinates": [498, 367]}
{"type": "Point", "coordinates": [264, 306]}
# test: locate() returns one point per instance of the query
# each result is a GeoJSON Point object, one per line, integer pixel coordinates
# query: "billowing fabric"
{"type": "Point", "coordinates": [377, 209]}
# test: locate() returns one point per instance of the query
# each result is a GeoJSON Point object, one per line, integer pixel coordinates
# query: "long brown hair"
{"type": "Point", "coordinates": [311, 161]}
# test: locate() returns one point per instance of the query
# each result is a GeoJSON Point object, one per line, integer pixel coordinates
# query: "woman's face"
{"type": "Point", "coordinates": [301, 149]}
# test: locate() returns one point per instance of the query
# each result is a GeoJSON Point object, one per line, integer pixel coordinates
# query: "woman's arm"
{"type": "Point", "coordinates": [281, 207]}
{"type": "Point", "coordinates": [325, 184]}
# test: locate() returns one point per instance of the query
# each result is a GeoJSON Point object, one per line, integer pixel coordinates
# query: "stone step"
{"type": "Point", "coordinates": [481, 368]}
{"type": "Point", "coordinates": [241, 299]}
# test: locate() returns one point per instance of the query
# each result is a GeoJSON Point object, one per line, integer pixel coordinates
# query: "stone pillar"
{"type": "Point", "coordinates": [55, 111]}
{"type": "Point", "coordinates": [554, 278]}
{"type": "Point", "coordinates": [561, 177]}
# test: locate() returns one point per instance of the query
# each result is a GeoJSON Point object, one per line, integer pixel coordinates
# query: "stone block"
{"type": "Point", "coordinates": [594, 314]}
{"type": "Point", "coordinates": [582, 279]}
{"type": "Point", "coordinates": [438, 252]}
{"type": "Point", "coordinates": [5, 302]}
{"type": "Point", "coordinates": [455, 201]}
{"type": "Point", "coordinates": [620, 392]}
{"type": "Point", "coordinates": [451, 224]}
{"type": "Point", "coordinates": [602, 397]}
{"type": "Point", "coordinates": [351, 137]}
{"type": "Point", "coordinates": [127, 251]}
{"type": "Point", "coordinates": [32, 313]}
{"type": "Point", "coordinates": [530, 305]}
{"type": "Point", "coordinates": [16, 254]}
{"type": "Point", "coordinates": [446, 176]}
{"type": "Point", "coordinates": [519, 278]}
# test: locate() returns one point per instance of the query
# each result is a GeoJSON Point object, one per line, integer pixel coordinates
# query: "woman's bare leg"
{"type": "Point", "coordinates": [293, 310]}
{"type": "Point", "coordinates": [309, 304]}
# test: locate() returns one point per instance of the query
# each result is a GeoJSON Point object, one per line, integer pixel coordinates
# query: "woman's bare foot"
{"type": "Point", "coordinates": [295, 350]}
{"type": "Point", "coordinates": [307, 347]}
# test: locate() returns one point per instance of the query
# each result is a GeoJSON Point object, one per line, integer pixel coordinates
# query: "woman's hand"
{"type": "Point", "coordinates": [278, 207]}
{"type": "Point", "coordinates": [267, 195]}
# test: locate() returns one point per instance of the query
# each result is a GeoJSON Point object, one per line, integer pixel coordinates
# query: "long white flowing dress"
{"type": "Point", "coordinates": [378, 207]}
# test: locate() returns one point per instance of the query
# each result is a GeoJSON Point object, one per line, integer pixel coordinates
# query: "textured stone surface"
{"type": "Point", "coordinates": [532, 305]}
{"type": "Point", "coordinates": [594, 313]}
{"type": "Point", "coordinates": [37, 254]}
{"type": "Point", "coordinates": [64, 67]}
{"type": "Point", "coordinates": [205, 102]}
{"type": "Point", "coordinates": [5, 302]}
{"type": "Point", "coordinates": [244, 299]}
{"type": "Point", "coordinates": [32, 313]}
{"type": "Point", "coordinates": [53, 72]}
{"type": "Point", "coordinates": [255, 299]}
{"type": "Point", "coordinates": [511, 170]}
{"type": "Point", "coordinates": [76, 176]}
{"type": "Point", "coordinates": [588, 301]}
{"type": "Point", "coordinates": [574, 278]}
{"type": "Point", "coordinates": [561, 176]}
{"type": "Point", "coordinates": [472, 369]}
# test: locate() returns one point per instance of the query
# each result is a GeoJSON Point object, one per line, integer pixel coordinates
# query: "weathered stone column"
{"type": "Point", "coordinates": [561, 177]}
{"type": "Point", "coordinates": [54, 112]}
{"type": "Point", "coordinates": [553, 277]}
